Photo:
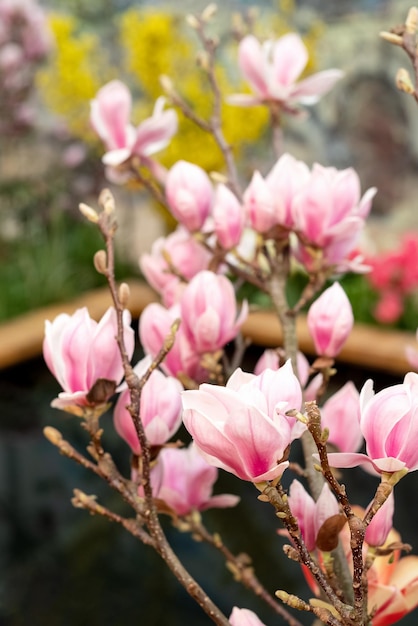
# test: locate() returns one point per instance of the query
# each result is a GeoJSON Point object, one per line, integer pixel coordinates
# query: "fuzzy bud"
{"type": "Point", "coordinates": [107, 201]}
{"type": "Point", "coordinates": [404, 82]}
{"type": "Point", "coordinates": [209, 12]}
{"type": "Point", "coordinates": [411, 23]}
{"type": "Point", "coordinates": [124, 293]}
{"type": "Point", "coordinates": [88, 212]}
{"type": "Point", "coordinates": [100, 261]}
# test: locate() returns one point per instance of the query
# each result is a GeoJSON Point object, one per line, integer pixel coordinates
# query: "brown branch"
{"type": "Point", "coordinates": [107, 225]}
{"type": "Point", "coordinates": [241, 568]}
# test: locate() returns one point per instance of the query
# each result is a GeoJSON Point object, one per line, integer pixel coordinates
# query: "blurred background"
{"type": "Point", "coordinates": [58, 565]}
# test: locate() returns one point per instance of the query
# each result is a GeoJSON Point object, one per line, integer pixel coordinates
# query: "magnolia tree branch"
{"type": "Point", "coordinates": [278, 499]}
{"type": "Point", "coordinates": [107, 226]}
{"type": "Point", "coordinates": [356, 525]}
{"type": "Point", "coordinates": [241, 568]}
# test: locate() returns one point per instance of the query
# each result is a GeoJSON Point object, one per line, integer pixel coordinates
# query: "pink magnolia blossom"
{"type": "Point", "coordinates": [242, 427]}
{"type": "Point", "coordinates": [329, 216]}
{"type": "Point", "coordinates": [311, 515]}
{"type": "Point", "coordinates": [79, 351]}
{"type": "Point", "coordinates": [160, 409]}
{"type": "Point", "coordinates": [110, 118]}
{"type": "Point", "coordinates": [270, 359]}
{"type": "Point", "coordinates": [189, 194]}
{"type": "Point", "coordinates": [284, 180]}
{"type": "Point", "coordinates": [259, 204]}
{"type": "Point", "coordinates": [209, 312]}
{"type": "Point", "coordinates": [389, 423]}
{"type": "Point", "coordinates": [341, 415]}
{"type": "Point", "coordinates": [154, 326]}
{"type": "Point", "coordinates": [184, 481]}
{"type": "Point", "coordinates": [273, 68]}
{"type": "Point", "coordinates": [185, 254]}
{"type": "Point", "coordinates": [229, 218]}
{"type": "Point", "coordinates": [330, 320]}
{"type": "Point", "coordinates": [244, 617]}
{"type": "Point", "coordinates": [392, 581]}
{"type": "Point", "coordinates": [393, 588]}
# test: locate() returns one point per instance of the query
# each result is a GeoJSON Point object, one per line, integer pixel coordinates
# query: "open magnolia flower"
{"type": "Point", "coordinates": [110, 118]}
{"type": "Point", "coordinates": [79, 351]}
{"type": "Point", "coordinates": [273, 68]}
{"type": "Point", "coordinates": [243, 427]}
{"type": "Point", "coordinates": [389, 423]}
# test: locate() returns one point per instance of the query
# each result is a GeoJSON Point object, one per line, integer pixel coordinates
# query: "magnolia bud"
{"type": "Point", "coordinates": [100, 261]}
{"type": "Point", "coordinates": [411, 23]}
{"type": "Point", "coordinates": [403, 81]}
{"type": "Point", "coordinates": [107, 201]}
{"type": "Point", "coordinates": [124, 293]}
{"type": "Point", "coordinates": [88, 212]}
{"type": "Point", "coordinates": [330, 320]}
{"type": "Point", "coordinates": [209, 12]}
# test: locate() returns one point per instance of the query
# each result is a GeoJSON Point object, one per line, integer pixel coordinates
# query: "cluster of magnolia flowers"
{"type": "Point", "coordinates": [247, 425]}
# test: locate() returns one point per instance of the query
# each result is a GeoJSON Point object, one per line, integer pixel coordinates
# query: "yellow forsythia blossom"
{"type": "Point", "coordinates": [75, 72]}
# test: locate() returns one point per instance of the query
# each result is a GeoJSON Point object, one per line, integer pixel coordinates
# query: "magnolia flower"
{"type": "Point", "coordinates": [179, 252]}
{"type": "Point", "coordinates": [312, 517]}
{"type": "Point", "coordinates": [389, 423]}
{"type": "Point", "coordinates": [393, 588]}
{"type": "Point", "coordinates": [242, 427]}
{"type": "Point", "coordinates": [328, 214]}
{"type": "Point", "coordinates": [340, 414]}
{"type": "Point", "coordinates": [79, 351]}
{"type": "Point", "coordinates": [160, 409]}
{"type": "Point", "coordinates": [259, 204]}
{"type": "Point", "coordinates": [272, 70]}
{"type": "Point", "coordinates": [184, 481]}
{"type": "Point", "coordinates": [270, 359]}
{"type": "Point", "coordinates": [189, 194]}
{"type": "Point", "coordinates": [284, 180]}
{"type": "Point", "coordinates": [110, 118]}
{"type": "Point", "coordinates": [229, 218]}
{"type": "Point", "coordinates": [154, 327]}
{"type": "Point", "coordinates": [330, 320]}
{"type": "Point", "coordinates": [209, 312]}
{"type": "Point", "coordinates": [244, 617]}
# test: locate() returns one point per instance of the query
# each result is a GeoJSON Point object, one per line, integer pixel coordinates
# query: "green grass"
{"type": "Point", "coordinates": [51, 261]}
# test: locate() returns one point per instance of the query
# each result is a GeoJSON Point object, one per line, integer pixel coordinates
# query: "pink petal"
{"type": "Point", "coordinates": [252, 63]}
{"type": "Point", "coordinates": [290, 57]}
{"type": "Point", "coordinates": [309, 90]}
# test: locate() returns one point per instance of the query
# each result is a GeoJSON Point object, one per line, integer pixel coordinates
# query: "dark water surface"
{"type": "Point", "coordinates": [62, 567]}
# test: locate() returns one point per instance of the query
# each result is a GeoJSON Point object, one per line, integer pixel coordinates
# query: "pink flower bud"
{"type": "Point", "coordinates": [244, 617]}
{"type": "Point", "coordinates": [341, 415]}
{"type": "Point", "coordinates": [229, 218]}
{"type": "Point", "coordinates": [209, 312]}
{"type": "Point", "coordinates": [154, 326]}
{"type": "Point", "coordinates": [186, 256]}
{"type": "Point", "coordinates": [189, 194]}
{"type": "Point", "coordinates": [185, 482]}
{"type": "Point", "coordinates": [242, 427]}
{"type": "Point", "coordinates": [330, 320]}
{"type": "Point", "coordinates": [314, 517]}
{"type": "Point", "coordinates": [160, 409]}
{"type": "Point", "coordinates": [79, 351]}
{"type": "Point", "coordinates": [259, 204]}
{"type": "Point", "coordinates": [284, 181]}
